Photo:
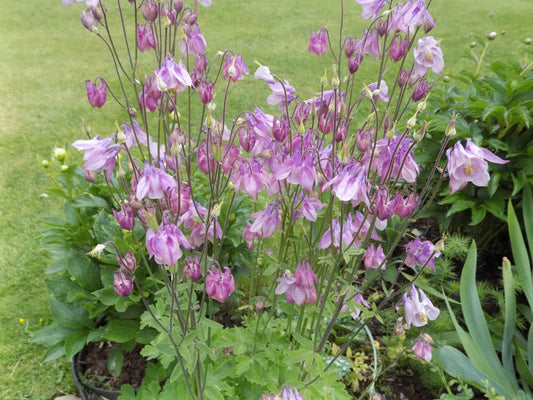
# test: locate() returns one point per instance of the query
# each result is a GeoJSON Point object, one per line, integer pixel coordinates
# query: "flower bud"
{"type": "Point", "coordinates": [45, 163]}
{"type": "Point", "coordinates": [178, 6]}
{"type": "Point", "coordinates": [491, 36]}
{"type": "Point", "coordinates": [60, 154]}
{"type": "Point", "coordinates": [150, 10]}
{"type": "Point", "coordinates": [411, 122]}
{"type": "Point", "coordinates": [129, 262]}
{"type": "Point", "coordinates": [89, 21]}
{"type": "Point", "coordinates": [64, 168]}
{"type": "Point", "coordinates": [450, 129]}
{"type": "Point", "coordinates": [205, 92]}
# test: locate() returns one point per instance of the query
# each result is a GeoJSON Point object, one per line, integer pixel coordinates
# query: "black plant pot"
{"type": "Point", "coordinates": [87, 390]}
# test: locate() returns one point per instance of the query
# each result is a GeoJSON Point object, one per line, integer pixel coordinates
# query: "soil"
{"type": "Point", "coordinates": [94, 366]}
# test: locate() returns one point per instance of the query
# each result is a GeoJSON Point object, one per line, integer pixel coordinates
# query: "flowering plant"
{"type": "Point", "coordinates": [257, 240]}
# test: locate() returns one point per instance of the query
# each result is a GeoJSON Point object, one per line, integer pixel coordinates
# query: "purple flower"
{"type": "Point", "coordinates": [266, 221]}
{"type": "Point", "coordinates": [318, 43]}
{"type": "Point", "coordinates": [300, 287]}
{"type": "Point", "coordinates": [384, 207]}
{"type": "Point", "coordinates": [194, 43]}
{"type": "Point", "coordinates": [90, 3]}
{"type": "Point", "coordinates": [89, 20]}
{"type": "Point", "coordinates": [421, 90]}
{"type": "Point", "coordinates": [173, 76]}
{"type": "Point", "coordinates": [421, 253]}
{"type": "Point", "coordinates": [154, 182]}
{"type": "Point", "coordinates": [146, 37]}
{"type": "Point", "coordinates": [96, 95]}
{"type": "Point", "coordinates": [374, 257]}
{"type": "Point", "coordinates": [418, 310]}
{"type": "Point", "coordinates": [128, 262]}
{"type": "Point", "coordinates": [373, 92]}
{"type": "Point", "coordinates": [371, 8]}
{"type": "Point", "coordinates": [219, 285]}
{"type": "Point", "coordinates": [359, 300]}
{"type": "Point", "coordinates": [165, 245]}
{"type": "Point", "coordinates": [205, 91]}
{"type": "Point", "coordinates": [150, 10]}
{"type": "Point", "coordinates": [422, 348]}
{"type": "Point", "coordinates": [125, 217]}
{"type": "Point", "coordinates": [406, 204]}
{"type": "Point", "coordinates": [192, 268]}
{"type": "Point", "coordinates": [122, 284]}
{"type": "Point", "coordinates": [307, 207]}
{"type": "Point", "coordinates": [235, 68]}
{"type": "Point", "coordinates": [469, 164]}
{"type": "Point", "coordinates": [349, 184]}
{"type": "Point", "coordinates": [99, 154]}
{"type": "Point", "coordinates": [135, 135]}
{"type": "Point", "coordinates": [289, 393]}
{"type": "Point", "coordinates": [428, 55]}
{"type": "Point", "coordinates": [398, 50]}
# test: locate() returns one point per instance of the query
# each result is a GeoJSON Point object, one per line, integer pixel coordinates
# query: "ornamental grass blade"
{"type": "Point", "coordinates": [527, 204]}
{"type": "Point", "coordinates": [480, 348]}
{"type": "Point", "coordinates": [518, 246]}
{"type": "Point", "coordinates": [509, 328]}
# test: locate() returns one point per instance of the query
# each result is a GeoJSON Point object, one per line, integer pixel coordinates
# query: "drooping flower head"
{"type": "Point", "coordinates": [99, 154]}
{"type": "Point", "coordinates": [418, 309]}
{"type": "Point", "coordinates": [173, 76]}
{"type": "Point", "coordinates": [374, 257]}
{"type": "Point", "coordinates": [146, 38]}
{"type": "Point", "coordinates": [300, 287]}
{"type": "Point", "coordinates": [421, 253]}
{"type": "Point", "coordinates": [219, 285]}
{"type": "Point", "coordinates": [154, 182]}
{"type": "Point", "coordinates": [235, 68]}
{"type": "Point", "coordinates": [96, 94]}
{"type": "Point", "coordinates": [122, 284]}
{"type": "Point", "coordinates": [469, 164]}
{"type": "Point", "coordinates": [371, 8]}
{"type": "Point", "coordinates": [318, 43]}
{"type": "Point", "coordinates": [422, 347]}
{"type": "Point", "coordinates": [165, 244]}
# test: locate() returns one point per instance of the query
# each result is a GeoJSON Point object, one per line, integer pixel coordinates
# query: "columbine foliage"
{"type": "Point", "coordinates": [263, 231]}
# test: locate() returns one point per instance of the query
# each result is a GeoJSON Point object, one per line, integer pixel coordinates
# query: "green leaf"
{"type": "Point", "coordinates": [52, 334]}
{"type": "Point", "coordinates": [509, 321]}
{"type": "Point", "coordinates": [116, 360]}
{"type": "Point", "coordinates": [54, 352]}
{"type": "Point", "coordinates": [70, 315]}
{"type": "Point", "coordinates": [127, 393]}
{"type": "Point", "coordinates": [88, 200]}
{"type": "Point", "coordinates": [121, 331]}
{"type": "Point", "coordinates": [494, 182]}
{"type": "Point", "coordinates": [83, 270]}
{"type": "Point", "coordinates": [478, 215]}
{"type": "Point", "coordinates": [74, 343]}
{"type": "Point", "coordinates": [460, 205]}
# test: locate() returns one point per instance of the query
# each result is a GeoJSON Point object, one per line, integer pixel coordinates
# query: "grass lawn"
{"type": "Point", "coordinates": [45, 57]}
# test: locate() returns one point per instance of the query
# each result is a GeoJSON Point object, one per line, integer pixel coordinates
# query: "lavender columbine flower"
{"type": "Point", "coordinates": [371, 8]}
{"type": "Point", "coordinates": [418, 310]}
{"type": "Point", "coordinates": [300, 287]}
{"type": "Point", "coordinates": [421, 253]}
{"type": "Point", "coordinates": [469, 164]}
{"type": "Point", "coordinates": [125, 217]}
{"type": "Point", "coordinates": [146, 37]}
{"type": "Point", "coordinates": [374, 257]}
{"type": "Point", "coordinates": [173, 76]}
{"type": "Point", "coordinates": [428, 55]}
{"type": "Point", "coordinates": [165, 245]}
{"type": "Point", "coordinates": [356, 311]}
{"type": "Point", "coordinates": [192, 268]}
{"type": "Point", "coordinates": [219, 285]}
{"type": "Point", "coordinates": [154, 182]}
{"type": "Point", "coordinates": [99, 154]}
{"type": "Point", "coordinates": [96, 94]}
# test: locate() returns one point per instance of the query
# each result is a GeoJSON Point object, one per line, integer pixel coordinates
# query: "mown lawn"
{"type": "Point", "coordinates": [45, 57]}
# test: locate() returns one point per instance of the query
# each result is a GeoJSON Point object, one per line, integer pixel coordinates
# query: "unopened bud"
{"type": "Point", "coordinates": [324, 79]}
{"type": "Point", "coordinates": [411, 122]}
{"type": "Point", "coordinates": [419, 135]}
{"type": "Point", "coordinates": [491, 36]}
{"type": "Point", "coordinates": [527, 41]}
{"type": "Point", "coordinates": [121, 136]}
{"type": "Point", "coordinates": [132, 111]}
{"type": "Point", "coordinates": [45, 163]}
{"type": "Point", "coordinates": [335, 81]}
{"type": "Point", "coordinates": [64, 168]}
{"type": "Point", "coordinates": [506, 263]}
{"type": "Point", "coordinates": [60, 153]}
{"type": "Point", "coordinates": [450, 129]}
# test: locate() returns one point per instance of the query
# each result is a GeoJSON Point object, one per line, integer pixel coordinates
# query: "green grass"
{"type": "Point", "coordinates": [45, 57]}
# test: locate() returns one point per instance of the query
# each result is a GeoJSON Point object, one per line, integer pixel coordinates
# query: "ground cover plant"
{"type": "Point", "coordinates": [48, 114]}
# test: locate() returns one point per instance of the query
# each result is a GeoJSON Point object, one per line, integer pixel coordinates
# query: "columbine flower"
{"type": "Point", "coordinates": [235, 68]}
{"type": "Point", "coordinates": [469, 164]}
{"type": "Point", "coordinates": [289, 393]}
{"type": "Point", "coordinates": [374, 257]}
{"type": "Point", "coordinates": [422, 347]}
{"type": "Point", "coordinates": [125, 217]}
{"type": "Point", "coordinates": [99, 154]}
{"type": "Point", "coordinates": [373, 92]}
{"type": "Point", "coordinates": [146, 37]}
{"type": "Point", "coordinates": [173, 76]}
{"type": "Point", "coordinates": [96, 95]}
{"type": "Point", "coordinates": [165, 245]}
{"type": "Point", "coordinates": [356, 311]}
{"type": "Point", "coordinates": [318, 43]}
{"type": "Point", "coordinates": [219, 285]}
{"type": "Point", "coordinates": [154, 182]}
{"type": "Point", "coordinates": [418, 310]}
{"type": "Point", "coordinates": [421, 253]}
{"type": "Point", "coordinates": [122, 284]}
{"type": "Point", "coordinates": [371, 8]}
{"type": "Point", "coordinates": [428, 55]}
{"type": "Point", "coordinates": [90, 3]}
{"type": "Point", "coordinates": [300, 287]}
{"type": "Point", "coordinates": [192, 268]}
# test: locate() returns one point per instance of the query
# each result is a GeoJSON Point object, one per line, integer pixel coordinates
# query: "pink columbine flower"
{"type": "Point", "coordinates": [219, 285]}
{"type": "Point", "coordinates": [318, 43]}
{"type": "Point", "coordinates": [349, 184]}
{"type": "Point", "coordinates": [134, 134]}
{"type": "Point", "coordinates": [300, 287]}
{"type": "Point", "coordinates": [127, 263]}
{"type": "Point", "coordinates": [235, 68]}
{"type": "Point", "coordinates": [96, 94]}
{"type": "Point", "coordinates": [192, 268]}
{"type": "Point", "coordinates": [421, 253]}
{"type": "Point", "coordinates": [265, 222]}
{"type": "Point", "coordinates": [406, 204]}
{"type": "Point", "coordinates": [150, 10]}
{"type": "Point", "coordinates": [99, 154]}
{"type": "Point", "coordinates": [154, 182]}
{"type": "Point", "coordinates": [165, 244]}
{"type": "Point", "coordinates": [356, 311]}
{"type": "Point", "coordinates": [206, 91]}
{"type": "Point", "coordinates": [374, 257]}
{"type": "Point", "coordinates": [422, 347]}
{"type": "Point", "coordinates": [122, 284]}
{"type": "Point", "coordinates": [194, 42]}
{"type": "Point", "coordinates": [398, 50]}
{"type": "Point", "coordinates": [469, 164]}
{"type": "Point", "coordinates": [418, 309]}
{"type": "Point", "coordinates": [384, 206]}
{"type": "Point", "coordinates": [146, 37]}
{"type": "Point", "coordinates": [428, 54]}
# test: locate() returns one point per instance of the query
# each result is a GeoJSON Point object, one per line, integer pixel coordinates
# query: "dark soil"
{"type": "Point", "coordinates": [94, 366]}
